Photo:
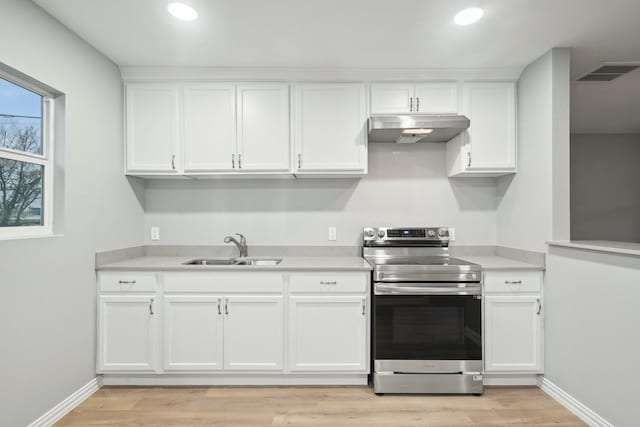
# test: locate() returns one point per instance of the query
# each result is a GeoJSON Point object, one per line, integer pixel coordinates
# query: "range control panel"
{"type": "Point", "coordinates": [406, 234]}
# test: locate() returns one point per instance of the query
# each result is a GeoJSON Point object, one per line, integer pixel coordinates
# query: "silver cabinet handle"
{"type": "Point", "coordinates": [127, 282]}
{"type": "Point", "coordinates": [299, 160]}
{"type": "Point", "coordinates": [329, 283]}
{"type": "Point", "coordinates": [219, 310]}
{"type": "Point", "coordinates": [173, 162]}
{"type": "Point", "coordinates": [513, 282]}
{"type": "Point", "coordinates": [469, 155]}
{"type": "Point", "coordinates": [151, 307]}
{"type": "Point", "coordinates": [226, 307]}
{"type": "Point", "coordinates": [539, 307]}
{"type": "Point", "coordinates": [411, 103]}
{"type": "Point", "coordinates": [233, 161]}
{"type": "Point", "coordinates": [364, 307]}
{"type": "Point", "coordinates": [417, 103]}
{"type": "Point", "coordinates": [239, 161]}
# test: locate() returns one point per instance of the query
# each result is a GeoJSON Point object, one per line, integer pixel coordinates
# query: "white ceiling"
{"type": "Point", "coordinates": [357, 33]}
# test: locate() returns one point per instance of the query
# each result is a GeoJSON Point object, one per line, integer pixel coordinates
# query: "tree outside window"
{"type": "Point", "coordinates": [24, 157]}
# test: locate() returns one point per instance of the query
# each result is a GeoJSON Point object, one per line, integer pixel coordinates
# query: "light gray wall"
{"type": "Point", "coordinates": [406, 185]}
{"type": "Point", "coordinates": [605, 187]}
{"type": "Point", "coordinates": [591, 330]}
{"type": "Point", "coordinates": [47, 309]}
{"type": "Point", "coordinates": [531, 209]}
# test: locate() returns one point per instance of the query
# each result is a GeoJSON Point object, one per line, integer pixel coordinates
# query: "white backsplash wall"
{"type": "Point", "coordinates": [406, 185]}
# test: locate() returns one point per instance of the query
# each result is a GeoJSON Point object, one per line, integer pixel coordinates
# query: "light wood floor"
{"type": "Point", "coordinates": [314, 406]}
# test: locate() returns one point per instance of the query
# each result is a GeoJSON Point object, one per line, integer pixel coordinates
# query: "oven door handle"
{"type": "Point", "coordinates": [426, 289]}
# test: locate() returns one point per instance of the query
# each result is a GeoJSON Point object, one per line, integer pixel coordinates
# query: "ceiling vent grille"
{"type": "Point", "coordinates": [609, 71]}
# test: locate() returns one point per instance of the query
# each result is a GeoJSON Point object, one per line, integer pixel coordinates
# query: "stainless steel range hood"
{"type": "Point", "coordinates": [416, 128]}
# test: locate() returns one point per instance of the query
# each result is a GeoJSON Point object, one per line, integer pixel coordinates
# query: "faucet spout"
{"type": "Point", "coordinates": [241, 244]}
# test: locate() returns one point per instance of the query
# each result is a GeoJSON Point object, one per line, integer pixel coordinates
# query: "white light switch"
{"type": "Point", "coordinates": [155, 233]}
{"type": "Point", "coordinates": [452, 234]}
{"type": "Point", "coordinates": [332, 233]}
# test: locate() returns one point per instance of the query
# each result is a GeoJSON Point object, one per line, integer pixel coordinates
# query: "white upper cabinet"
{"type": "Point", "coordinates": [416, 98]}
{"type": "Point", "coordinates": [488, 147]}
{"type": "Point", "coordinates": [153, 128]}
{"type": "Point", "coordinates": [221, 128]}
{"type": "Point", "coordinates": [436, 98]}
{"type": "Point", "coordinates": [391, 98]}
{"type": "Point", "coordinates": [209, 127]}
{"type": "Point", "coordinates": [263, 127]}
{"type": "Point", "coordinates": [330, 128]}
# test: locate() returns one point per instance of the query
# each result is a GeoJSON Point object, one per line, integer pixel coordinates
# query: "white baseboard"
{"type": "Point", "coordinates": [572, 404]}
{"type": "Point", "coordinates": [231, 380]}
{"type": "Point", "coordinates": [56, 413]}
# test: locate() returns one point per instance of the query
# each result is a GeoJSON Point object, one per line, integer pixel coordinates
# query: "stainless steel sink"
{"type": "Point", "coordinates": [258, 261]}
{"type": "Point", "coordinates": [211, 261]}
{"type": "Point", "coordinates": [234, 261]}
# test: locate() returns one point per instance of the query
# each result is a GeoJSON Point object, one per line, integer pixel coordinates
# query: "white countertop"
{"type": "Point", "coordinates": [500, 263]}
{"type": "Point", "coordinates": [289, 263]}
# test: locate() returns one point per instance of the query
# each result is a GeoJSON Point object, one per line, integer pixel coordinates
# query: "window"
{"type": "Point", "coordinates": [26, 166]}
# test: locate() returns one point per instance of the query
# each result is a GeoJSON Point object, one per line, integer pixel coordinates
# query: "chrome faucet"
{"type": "Point", "coordinates": [242, 244]}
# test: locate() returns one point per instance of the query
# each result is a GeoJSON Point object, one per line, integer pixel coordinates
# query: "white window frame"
{"type": "Point", "coordinates": [46, 159]}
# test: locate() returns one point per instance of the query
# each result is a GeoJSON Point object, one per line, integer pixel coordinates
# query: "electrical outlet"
{"type": "Point", "coordinates": [452, 234]}
{"type": "Point", "coordinates": [332, 233]}
{"type": "Point", "coordinates": [155, 233]}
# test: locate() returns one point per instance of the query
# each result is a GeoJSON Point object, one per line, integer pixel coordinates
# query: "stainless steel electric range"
{"type": "Point", "coordinates": [427, 313]}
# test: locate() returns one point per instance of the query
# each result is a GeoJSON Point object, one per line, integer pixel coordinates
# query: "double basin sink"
{"type": "Point", "coordinates": [235, 261]}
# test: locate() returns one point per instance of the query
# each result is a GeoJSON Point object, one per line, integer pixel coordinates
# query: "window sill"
{"type": "Point", "coordinates": [621, 248]}
{"type": "Point", "coordinates": [10, 237]}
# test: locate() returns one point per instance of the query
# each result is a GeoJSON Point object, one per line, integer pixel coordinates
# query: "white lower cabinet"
{"type": "Point", "coordinates": [513, 322]}
{"type": "Point", "coordinates": [224, 326]}
{"type": "Point", "coordinates": [253, 333]}
{"type": "Point", "coordinates": [126, 333]}
{"type": "Point", "coordinates": [193, 333]}
{"type": "Point", "coordinates": [328, 333]}
{"type": "Point", "coordinates": [513, 327]}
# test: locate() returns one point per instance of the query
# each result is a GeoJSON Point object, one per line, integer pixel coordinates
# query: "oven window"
{"type": "Point", "coordinates": [420, 327]}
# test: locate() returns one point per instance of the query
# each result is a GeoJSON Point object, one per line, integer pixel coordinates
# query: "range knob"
{"type": "Point", "coordinates": [431, 233]}
{"type": "Point", "coordinates": [369, 233]}
{"type": "Point", "coordinates": [443, 232]}
{"type": "Point", "coordinates": [381, 233]}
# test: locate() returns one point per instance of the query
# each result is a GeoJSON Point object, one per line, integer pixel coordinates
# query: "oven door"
{"type": "Point", "coordinates": [428, 322]}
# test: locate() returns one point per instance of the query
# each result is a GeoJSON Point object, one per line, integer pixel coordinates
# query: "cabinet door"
{"type": "Point", "coordinates": [126, 333]}
{"type": "Point", "coordinates": [436, 98]}
{"type": "Point", "coordinates": [209, 127]}
{"type": "Point", "coordinates": [513, 334]}
{"type": "Point", "coordinates": [263, 127]}
{"type": "Point", "coordinates": [392, 98]}
{"type": "Point", "coordinates": [193, 333]}
{"type": "Point", "coordinates": [491, 137]}
{"type": "Point", "coordinates": [253, 333]}
{"type": "Point", "coordinates": [330, 126]}
{"type": "Point", "coordinates": [328, 333]}
{"type": "Point", "coordinates": [153, 126]}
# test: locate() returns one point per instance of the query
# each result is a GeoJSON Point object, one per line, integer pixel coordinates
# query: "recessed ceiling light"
{"type": "Point", "coordinates": [182, 11]}
{"type": "Point", "coordinates": [468, 16]}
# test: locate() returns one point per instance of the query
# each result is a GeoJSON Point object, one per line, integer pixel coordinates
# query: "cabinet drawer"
{"type": "Point", "coordinates": [227, 283]}
{"type": "Point", "coordinates": [123, 281]}
{"type": "Point", "coordinates": [328, 282]}
{"type": "Point", "coordinates": [513, 281]}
